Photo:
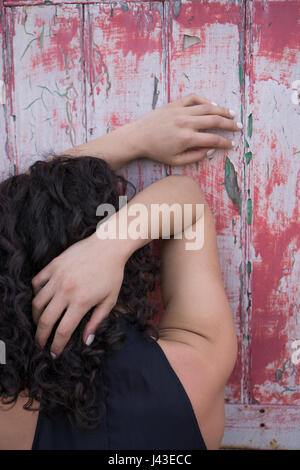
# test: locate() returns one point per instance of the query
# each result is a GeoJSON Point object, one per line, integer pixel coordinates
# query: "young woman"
{"type": "Point", "coordinates": [84, 367]}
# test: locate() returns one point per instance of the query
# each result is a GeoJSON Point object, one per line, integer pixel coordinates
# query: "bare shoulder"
{"type": "Point", "coordinates": [194, 361]}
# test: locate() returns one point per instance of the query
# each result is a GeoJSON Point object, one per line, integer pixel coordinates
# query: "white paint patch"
{"type": "Point", "coordinates": [2, 92]}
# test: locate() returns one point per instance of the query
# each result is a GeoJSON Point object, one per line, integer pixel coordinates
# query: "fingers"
{"type": "Point", "coordinates": [41, 279]}
{"type": "Point", "coordinates": [65, 329]}
{"type": "Point", "coordinates": [204, 139]}
{"type": "Point", "coordinates": [204, 109]}
{"type": "Point", "coordinates": [100, 312]}
{"type": "Point", "coordinates": [193, 99]}
{"type": "Point", "coordinates": [213, 121]}
{"type": "Point", "coordinates": [41, 300]}
{"type": "Point", "coordinates": [190, 156]}
{"type": "Point", "coordinates": [49, 317]}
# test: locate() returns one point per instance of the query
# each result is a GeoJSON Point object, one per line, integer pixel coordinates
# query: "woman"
{"type": "Point", "coordinates": [85, 369]}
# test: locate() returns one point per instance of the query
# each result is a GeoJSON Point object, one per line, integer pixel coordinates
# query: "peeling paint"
{"type": "Point", "coordinates": [249, 211]}
{"type": "Point", "coordinates": [155, 93]}
{"type": "Point", "coordinates": [250, 125]}
{"type": "Point", "coordinates": [231, 184]}
{"type": "Point", "coordinates": [177, 7]}
{"type": "Point", "coordinates": [248, 156]}
{"type": "Point", "coordinates": [189, 41]}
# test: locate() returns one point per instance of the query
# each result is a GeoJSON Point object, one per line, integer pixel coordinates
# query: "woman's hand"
{"type": "Point", "coordinates": [173, 134]}
{"type": "Point", "coordinates": [88, 274]}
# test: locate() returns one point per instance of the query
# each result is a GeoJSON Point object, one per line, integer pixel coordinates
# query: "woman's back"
{"type": "Point", "coordinates": [145, 406]}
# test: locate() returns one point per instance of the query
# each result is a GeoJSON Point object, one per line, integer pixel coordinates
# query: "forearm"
{"type": "Point", "coordinates": [117, 148]}
{"type": "Point", "coordinates": [142, 213]}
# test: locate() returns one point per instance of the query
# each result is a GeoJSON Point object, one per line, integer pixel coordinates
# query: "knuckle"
{"type": "Point", "coordinates": [192, 96]}
{"type": "Point", "coordinates": [179, 120]}
{"type": "Point", "coordinates": [186, 137]}
{"type": "Point", "coordinates": [44, 323]}
{"type": "Point", "coordinates": [217, 121]}
{"type": "Point", "coordinates": [206, 108]}
{"type": "Point", "coordinates": [81, 299]}
{"type": "Point", "coordinates": [35, 281]}
{"type": "Point", "coordinates": [68, 285]}
{"type": "Point", "coordinates": [62, 332]}
{"type": "Point", "coordinates": [215, 140]}
{"type": "Point", "coordinates": [35, 303]}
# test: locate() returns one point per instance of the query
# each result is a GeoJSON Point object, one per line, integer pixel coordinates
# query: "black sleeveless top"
{"type": "Point", "coordinates": [145, 408]}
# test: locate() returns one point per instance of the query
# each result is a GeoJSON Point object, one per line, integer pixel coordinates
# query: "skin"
{"type": "Point", "coordinates": [196, 329]}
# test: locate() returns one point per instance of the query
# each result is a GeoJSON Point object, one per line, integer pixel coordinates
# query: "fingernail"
{"type": "Point", "coordinates": [240, 125]}
{"type": "Point", "coordinates": [231, 112]}
{"type": "Point", "coordinates": [210, 152]}
{"type": "Point", "coordinates": [233, 143]}
{"type": "Point", "coordinates": [215, 104]}
{"type": "Point", "coordinates": [53, 355]}
{"type": "Point", "coordinates": [89, 340]}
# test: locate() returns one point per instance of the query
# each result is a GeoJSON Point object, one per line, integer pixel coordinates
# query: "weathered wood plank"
{"type": "Point", "coordinates": [6, 165]}
{"type": "Point", "coordinates": [14, 3]}
{"type": "Point", "coordinates": [272, 182]}
{"type": "Point", "coordinates": [261, 427]}
{"type": "Point", "coordinates": [48, 86]}
{"type": "Point", "coordinates": [125, 72]}
{"type": "Point", "coordinates": [204, 58]}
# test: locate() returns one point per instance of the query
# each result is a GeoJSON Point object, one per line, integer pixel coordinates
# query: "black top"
{"type": "Point", "coordinates": [146, 406]}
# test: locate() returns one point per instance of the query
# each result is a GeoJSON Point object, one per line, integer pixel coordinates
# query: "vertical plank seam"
{"type": "Point", "coordinates": [83, 66]}
{"type": "Point", "coordinates": [9, 83]}
{"type": "Point", "coordinates": [248, 228]}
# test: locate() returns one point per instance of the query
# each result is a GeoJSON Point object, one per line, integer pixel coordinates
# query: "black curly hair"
{"type": "Point", "coordinates": [43, 212]}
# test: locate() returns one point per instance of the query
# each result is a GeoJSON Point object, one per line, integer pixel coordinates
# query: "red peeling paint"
{"type": "Point", "coordinates": [199, 14]}
{"type": "Point", "coordinates": [133, 31]}
{"type": "Point", "coordinates": [278, 37]}
{"type": "Point", "coordinates": [61, 49]}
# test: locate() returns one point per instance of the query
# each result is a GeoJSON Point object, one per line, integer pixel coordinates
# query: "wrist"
{"type": "Point", "coordinates": [131, 141]}
{"type": "Point", "coordinates": [115, 235]}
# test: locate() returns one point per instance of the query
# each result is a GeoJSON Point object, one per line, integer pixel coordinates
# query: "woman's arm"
{"type": "Point", "coordinates": [71, 281]}
{"type": "Point", "coordinates": [170, 134]}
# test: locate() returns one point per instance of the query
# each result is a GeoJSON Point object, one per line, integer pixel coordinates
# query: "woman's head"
{"type": "Point", "coordinates": [42, 213]}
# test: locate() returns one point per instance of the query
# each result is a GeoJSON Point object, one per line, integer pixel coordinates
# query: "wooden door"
{"type": "Point", "coordinates": [73, 71]}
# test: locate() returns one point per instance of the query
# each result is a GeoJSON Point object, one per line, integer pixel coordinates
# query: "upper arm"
{"type": "Point", "coordinates": [197, 311]}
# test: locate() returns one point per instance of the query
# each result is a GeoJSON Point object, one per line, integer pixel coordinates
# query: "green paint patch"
{"type": "Point", "coordinates": [32, 102]}
{"type": "Point", "coordinates": [246, 144]}
{"type": "Point", "coordinates": [241, 76]}
{"type": "Point", "coordinates": [248, 156]}
{"type": "Point", "coordinates": [249, 211]}
{"type": "Point", "coordinates": [14, 117]}
{"type": "Point", "coordinates": [278, 374]}
{"type": "Point", "coordinates": [250, 125]}
{"type": "Point", "coordinates": [42, 40]}
{"type": "Point", "coordinates": [27, 47]}
{"type": "Point", "coordinates": [124, 7]}
{"type": "Point", "coordinates": [177, 7]}
{"type": "Point", "coordinates": [249, 267]}
{"type": "Point", "coordinates": [231, 184]}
